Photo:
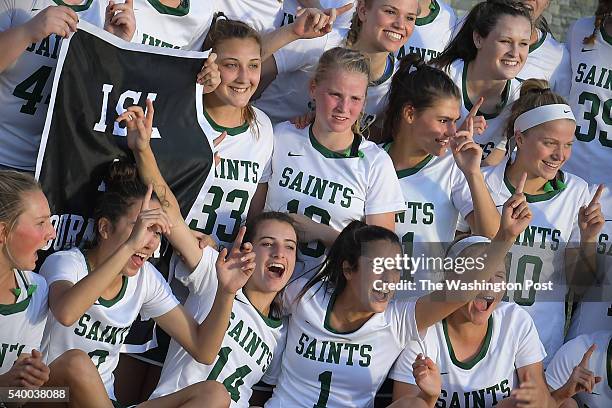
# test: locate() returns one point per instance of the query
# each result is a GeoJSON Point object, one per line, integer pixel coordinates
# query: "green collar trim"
{"type": "Point", "coordinates": [413, 170]}
{"type": "Point", "coordinates": [349, 153]}
{"type": "Point", "coordinates": [606, 38]}
{"type": "Point", "coordinates": [466, 99]}
{"type": "Point", "coordinates": [328, 312]}
{"type": "Point", "coordinates": [551, 189]}
{"type": "Point", "coordinates": [389, 68]}
{"type": "Point", "coordinates": [538, 43]}
{"type": "Point", "coordinates": [101, 300]}
{"type": "Point", "coordinates": [468, 365]}
{"type": "Point", "coordinates": [269, 321]}
{"type": "Point", "coordinates": [230, 131]}
{"type": "Point", "coordinates": [434, 10]}
{"type": "Point", "coordinates": [180, 11]}
{"type": "Point", "coordinates": [76, 8]}
{"type": "Point", "coordinates": [19, 307]}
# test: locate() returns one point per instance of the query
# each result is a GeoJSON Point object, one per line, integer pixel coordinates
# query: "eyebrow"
{"type": "Point", "coordinates": [274, 239]}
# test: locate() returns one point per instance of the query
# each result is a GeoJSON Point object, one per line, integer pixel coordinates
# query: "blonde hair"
{"type": "Point", "coordinates": [344, 59]}
{"type": "Point", "coordinates": [12, 187]}
{"type": "Point", "coordinates": [534, 93]}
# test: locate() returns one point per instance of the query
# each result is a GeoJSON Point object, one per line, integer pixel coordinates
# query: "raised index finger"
{"type": "Point", "coordinates": [587, 356]}
{"type": "Point", "coordinates": [476, 107]}
{"type": "Point", "coordinates": [147, 198]}
{"type": "Point", "coordinates": [344, 9]}
{"type": "Point", "coordinates": [521, 184]}
{"type": "Point", "coordinates": [238, 240]}
{"type": "Point", "coordinates": [597, 195]}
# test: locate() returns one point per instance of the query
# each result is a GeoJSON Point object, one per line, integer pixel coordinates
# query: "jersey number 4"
{"type": "Point", "coordinates": [31, 89]}
{"type": "Point", "coordinates": [233, 382]}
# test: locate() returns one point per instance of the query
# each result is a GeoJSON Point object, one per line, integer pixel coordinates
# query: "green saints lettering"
{"type": "Point", "coordinates": [250, 342]}
{"type": "Point", "coordinates": [10, 348]}
{"type": "Point", "coordinates": [482, 398]}
{"type": "Point", "coordinates": [332, 352]}
{"type": "Point", "coordinates": [93, 330]}
{"type": "Point", "coordinates": [150, 40]}
{"type": "Point", "coordinates": [426, 54]}
{"type": "Point", "coordinates": [416, 213]}
{"type": "Point", "coordinates": [239, 170]}
{"type": "Point", "coordinates": [316, 187]}
{"type": "Point", "coordinates": [594, 75]}
{"type": "Point", "coordinates": [542, 237]}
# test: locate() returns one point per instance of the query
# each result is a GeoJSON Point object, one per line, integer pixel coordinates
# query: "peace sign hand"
{"type": "Point", "coordinates": [236, 267]}
{"type": "Point", "coordinates": [516, 215]}
{"type": "Point", "coordinates": [590, 218]}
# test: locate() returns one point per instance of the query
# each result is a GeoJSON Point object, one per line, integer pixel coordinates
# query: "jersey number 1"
{"type": "Point", "coordinates": [325, 380]}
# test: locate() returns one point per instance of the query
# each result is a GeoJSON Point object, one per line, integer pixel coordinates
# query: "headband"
{"type": "Point", "coordinates": [542, 114]}
{"type": "Point", "coordinates": [455, 249]}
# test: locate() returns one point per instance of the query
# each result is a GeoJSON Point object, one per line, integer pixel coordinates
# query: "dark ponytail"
{"type": "Point", "coordinates": [481, 19]}
{"type": "Point", "coordinates": [418, 85]}
{"type": "Point", "coordinates": [347, 247]}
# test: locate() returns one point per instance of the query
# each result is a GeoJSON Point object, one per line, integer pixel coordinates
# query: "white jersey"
{"type": "Point", "coordinates": [322, 367]}
{"type": "Point", "coordinates": [329, 187]}
{"type": "Point", "coordinates": [288, 97]}
{"type": "Point", "coordinates": [22, 323]}
{"type": "Point", "coordinates": [435, 194]}
{"type": "Point", "coordinates": [245, 152]}
{"type": "Point", "coordinates": [591, 101]}
{"type": "Point", "coordinates": [102, 329]}
{"type": "Point", "coordinates": [249, 346]}
{"type": "Point", "coordinates": [494, 136]}
{"type": "Point", "coordinates": [538, 255]}
{"type": "Point", "coordinates": [182, 27]}
{"type": "Point", "coordinates": [511, 342]}
{"type": "Point", "coordinates": [431, 33]}
{"type": "Point", "coordinates": [262, 15]}
{"type": "Point", "coordinates": [549, 60]}
{"type": "Point", "coordinates": [25, 86]}
{"type": "Point", "coordinates": [570, 355]}
{"type": "Point", "coordinates": [343, 22]}
{"type": "Point", "coordinates": [594, 312]}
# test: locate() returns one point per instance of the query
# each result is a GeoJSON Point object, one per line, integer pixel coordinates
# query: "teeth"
{"type": "Point", "coordinates": [393, 36]}
{"type": "Point", "coordinates": [339, 118]}
{"type": "Point", "coordinates": [277, 265]}
{"type": "Point", "coordinates": [551, 165]}
{"type": "Point", "coordinates": [140, 255]}
{"type": "Point", "coordinates": [510, 63]}
{"type": "Point", "coordinates": [383, 291]}
{"type": "Point", "coordinates": [238, 90]}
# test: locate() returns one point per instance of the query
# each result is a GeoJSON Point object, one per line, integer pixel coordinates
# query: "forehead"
{"type": "Point", "coordinates": [560, 129]}
{"type": "Point", "coordinates": [238, 48]}
{"type": "Point", "coordinates": [351, 81]}
{"type": "Point", "coordinates": [408, 6]}
{"type": "Point", "coordinates": [512, 26]}
{"type": "Point", "coordinates": [274, 228]}
{"type": "Point", "coordinates": [448, 106]}
{"type": "Point", "coordinates": [34, 204]}
{"type": "Point", "coordinates": [380, 248]}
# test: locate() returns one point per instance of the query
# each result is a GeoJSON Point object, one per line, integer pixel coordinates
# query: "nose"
{"type": "Point", "coordinates": [242, 75]}
{"type": "Point", "coordinates": [451, 128]}
{"type": "Point", "coordinates": [342, 104]}
{"type": "Point", "coordinates": [50, 232]}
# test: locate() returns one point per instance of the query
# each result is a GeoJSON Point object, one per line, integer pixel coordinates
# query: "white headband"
{"type": "Point", "coordinates": [462, 244]}
{"type": "Point", "coordinates": [542, 114]}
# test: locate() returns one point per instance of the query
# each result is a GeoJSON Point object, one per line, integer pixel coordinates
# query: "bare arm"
{"type": "Point", "coordinates": [516, 216]}
{"type": "Point", "coordinates": [58, 20]}
{"type": "Point", "coordinates": [204, 340]}
{"type": "Point", "coordinates": [68, 302]}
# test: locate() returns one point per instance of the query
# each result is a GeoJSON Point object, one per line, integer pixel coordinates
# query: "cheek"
{"type": "Point", "coordinates": [227, 75]}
